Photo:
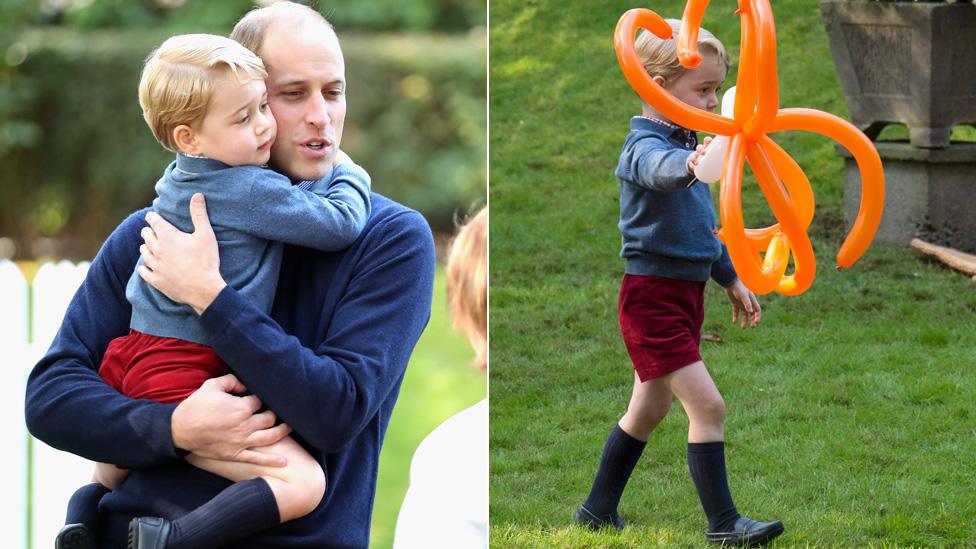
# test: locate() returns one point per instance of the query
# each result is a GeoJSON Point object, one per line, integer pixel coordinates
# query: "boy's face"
{"type": "Point", "coordinates": [238, 128]}
{"type": "Point", "coordinates": [699, 87]}
{"type": "Point", "coordinates": [307, 94]}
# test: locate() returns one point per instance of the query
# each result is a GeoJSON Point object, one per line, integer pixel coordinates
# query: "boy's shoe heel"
{"type": "Point", "coordinates": [585, 518]}
{"type": "Point", "coordinates": [75, 536]}
{"type": "Point", "coordinates": [148, 533]}
{"type": "Point", "coordinates": [746, 532]}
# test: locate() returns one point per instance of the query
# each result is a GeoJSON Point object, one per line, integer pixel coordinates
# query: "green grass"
{"type": "Point", "coordinates": [438, 384]}
{"type": "Point", "coordinates": [850, 411]}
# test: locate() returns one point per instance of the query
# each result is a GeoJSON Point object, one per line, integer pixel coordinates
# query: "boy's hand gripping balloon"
{"type": "Point", "coordinates": [755, 113]}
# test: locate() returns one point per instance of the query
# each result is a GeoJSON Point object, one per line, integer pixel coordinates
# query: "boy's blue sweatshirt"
{"type": "Point", "coordinates": [666, 215]}
{"type": "Point", "coordinates": [253, 212]}
{"type": "Point", "coordinates": [328, 360]}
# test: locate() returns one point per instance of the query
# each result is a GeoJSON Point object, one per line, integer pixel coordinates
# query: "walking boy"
{"type": "Point", "coordinates": [667, 222]}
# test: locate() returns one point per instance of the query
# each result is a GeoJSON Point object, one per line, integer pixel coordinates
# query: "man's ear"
{"type": "Point", "coordinates": [186, 140]}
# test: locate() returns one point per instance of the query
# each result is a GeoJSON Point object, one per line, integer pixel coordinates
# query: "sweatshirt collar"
{"type": "Point", "coordinates": [198, 164]}
{"type": "Point", "coordinates": [664, 129]}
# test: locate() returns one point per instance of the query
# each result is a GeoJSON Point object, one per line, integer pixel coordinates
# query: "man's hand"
{"type": "Point", "coordinates": [214, 423]}
{"type": "Point", "coordinates": [696, 156]}
{"type": "Point", "coordinates": [745, 307]}
{"type": "Point", "coordinates": [184, 267]}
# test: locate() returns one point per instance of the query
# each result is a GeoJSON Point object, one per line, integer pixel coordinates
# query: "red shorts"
{"type": "Point", "coordinates": [163, 369]}
{"type": "Point", "coordinates": [661, 322]}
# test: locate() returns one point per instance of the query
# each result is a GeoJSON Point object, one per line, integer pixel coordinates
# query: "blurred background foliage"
{"type": "Point", "coordinates": [76, 155]}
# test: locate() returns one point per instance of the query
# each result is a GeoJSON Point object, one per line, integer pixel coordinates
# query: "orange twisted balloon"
{"type": "Point", "coordinates": [760, 256]}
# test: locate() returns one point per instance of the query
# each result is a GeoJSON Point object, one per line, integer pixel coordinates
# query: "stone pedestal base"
{"type": "Point", "coordinates": [929, 194]}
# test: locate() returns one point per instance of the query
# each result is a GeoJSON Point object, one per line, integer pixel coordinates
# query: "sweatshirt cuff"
{"type": "Point", "coordinates": [162, 423]}
{"type": "Point", "coordinates": [723, 272]}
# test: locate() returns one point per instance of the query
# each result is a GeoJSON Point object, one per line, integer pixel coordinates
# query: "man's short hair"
{"type": "Point", "coordinates": [178, 80]}
{"type": "Point", "coordinates": [467, 284]}
{"type": "Point", "coordinates": [250, 30]}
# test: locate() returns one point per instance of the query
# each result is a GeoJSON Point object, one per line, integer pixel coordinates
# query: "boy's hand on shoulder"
{"type": "Point", "coordinates": [342, 158]}
{"type": "Point", "coordinates": [745, 307]}
{"type": "Point", "coordinates": [696, 156]}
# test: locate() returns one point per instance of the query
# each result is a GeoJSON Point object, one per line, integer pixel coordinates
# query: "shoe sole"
{"type": "Point", "coordinates": [752, 540]}
{"type": "Point", "coordinates": [75, 539]}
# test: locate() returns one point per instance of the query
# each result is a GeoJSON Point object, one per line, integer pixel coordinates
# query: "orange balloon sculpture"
{"type": "Point", "coordinates": [760, 256]}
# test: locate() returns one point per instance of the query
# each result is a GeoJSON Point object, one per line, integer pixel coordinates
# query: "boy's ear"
{"type": "Point", "coordinates": [186, 140]}
{"type": "Point", "coordinates": [659, 80]}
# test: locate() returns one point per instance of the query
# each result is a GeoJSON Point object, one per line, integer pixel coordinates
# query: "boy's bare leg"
{"type": "Point", "coordinates": [298, 487]}
{"type": "Point", "coordinates": [650, 402]}
{"type": "Point", "coordinates": [109, 475]}
{"type": "Point", "coordinates": [701, 400]}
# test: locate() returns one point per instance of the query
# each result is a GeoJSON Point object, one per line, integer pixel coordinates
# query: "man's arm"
{"type": "Point", "coordinates": [330, 393]}
{"type": "Point", "coordinates": [67, 404]}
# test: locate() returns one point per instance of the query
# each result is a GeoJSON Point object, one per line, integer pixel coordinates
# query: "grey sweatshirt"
{"type": "Point", "coordinates": [666, 215]}
{"type": "Point", "coordinates": [253, 211]}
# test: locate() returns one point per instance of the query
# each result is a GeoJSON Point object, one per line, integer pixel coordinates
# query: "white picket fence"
{"type": "Point", "coordinates": [46, 477]}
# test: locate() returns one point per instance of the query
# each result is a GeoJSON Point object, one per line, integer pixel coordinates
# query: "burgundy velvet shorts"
{"type": "Point", "coordinates": [158, 368]}
{"type": "Point", "coordinates": [661, 322]}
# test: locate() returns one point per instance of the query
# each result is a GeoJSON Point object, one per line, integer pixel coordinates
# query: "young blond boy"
{"type": "Point", "coordinates": [204, 98]}
{"type": "Point", "coordinates": [667, 222]}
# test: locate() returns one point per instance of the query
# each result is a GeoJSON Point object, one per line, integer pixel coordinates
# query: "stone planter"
{"type": "Point", "coordinates": [912, 63]}
{"type": "Point", "coordinates": [929, 194]}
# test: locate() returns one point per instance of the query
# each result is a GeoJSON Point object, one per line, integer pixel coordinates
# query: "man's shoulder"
{"type": "Point", "coordinates": [389, 214]}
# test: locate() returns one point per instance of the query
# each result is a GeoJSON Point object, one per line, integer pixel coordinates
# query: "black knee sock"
{"type": "Point", "coordinates": [241, 509]}
{"type": "Point", "coordinates": [83, 506]}
{"type": "Point", "coordinates": [706, 461]}
{"type": "Point", "coordinates": [620, 455]}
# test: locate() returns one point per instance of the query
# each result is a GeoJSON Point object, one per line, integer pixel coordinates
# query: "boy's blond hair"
{"type": "Point", "coordinates": [467, 284]}
{"type": "Point", "coordinates": [660, 57]}
{"type": "Point", "coordinates": [178, 80]}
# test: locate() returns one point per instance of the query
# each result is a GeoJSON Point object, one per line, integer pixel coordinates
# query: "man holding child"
{"type": "Point", "coordinates": [328, 361]}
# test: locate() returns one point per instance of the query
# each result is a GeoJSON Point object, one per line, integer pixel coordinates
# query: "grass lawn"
{"type": "Point", "coordinates": [438, 384]}
{"type": "Point", "coordinates": [850, 409]}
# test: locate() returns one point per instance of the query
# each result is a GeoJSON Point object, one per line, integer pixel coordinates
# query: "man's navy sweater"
{"type": "Point", "coordinates": [666, 215]}
{"type": "Point", "coordinates": [329, 361]}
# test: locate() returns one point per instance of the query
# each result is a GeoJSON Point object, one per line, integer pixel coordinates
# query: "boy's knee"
{"type": "Point", "coordinates": [714, 408]}
{"type": "Point", "coordinates": [301, 490]}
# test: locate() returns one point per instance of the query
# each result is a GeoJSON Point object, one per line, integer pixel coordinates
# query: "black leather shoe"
{"type": "Point", "coordinates": [585, 518]}
{"type": "Point", "coordinates": [148, 533]}
{"type": "Point", "coordinates": [75, 536]}
{"type": "Point", "coordinates": [747, 532]}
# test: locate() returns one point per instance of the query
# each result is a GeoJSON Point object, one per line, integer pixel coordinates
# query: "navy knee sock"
{"type": "Point", "coordinates": [620, 455]}
{"type": "Point", "coordinates": [83, 506]}
{"type": "Point", "coordinates": [706, 461]}
{"type": "Point", "coordinates": [241, 509]}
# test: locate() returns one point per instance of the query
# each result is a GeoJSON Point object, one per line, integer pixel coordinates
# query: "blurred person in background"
{"type": "Point", "coordinates": [447, 502]}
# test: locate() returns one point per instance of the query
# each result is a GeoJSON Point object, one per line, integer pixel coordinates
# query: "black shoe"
{"type": "Point", "coordinates": [75, 536]}
{"type": "Point", "coordinates": [585, 518]}
{"type": "Point", "coordinates": [148, 533]}
{"type": "Point", "coordinates": [747, 532]}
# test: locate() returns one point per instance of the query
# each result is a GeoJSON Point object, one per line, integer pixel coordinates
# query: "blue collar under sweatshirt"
{"type": "Point", "coordinates": [666, 215]}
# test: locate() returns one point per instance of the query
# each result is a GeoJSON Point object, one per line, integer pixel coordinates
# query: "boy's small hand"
{"type": "Point", "coordinates": [745, 307]}
{"type": "Point", "coordinates": [342, 158]}
{"type": "Point", "coordinates": [696, 156]}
